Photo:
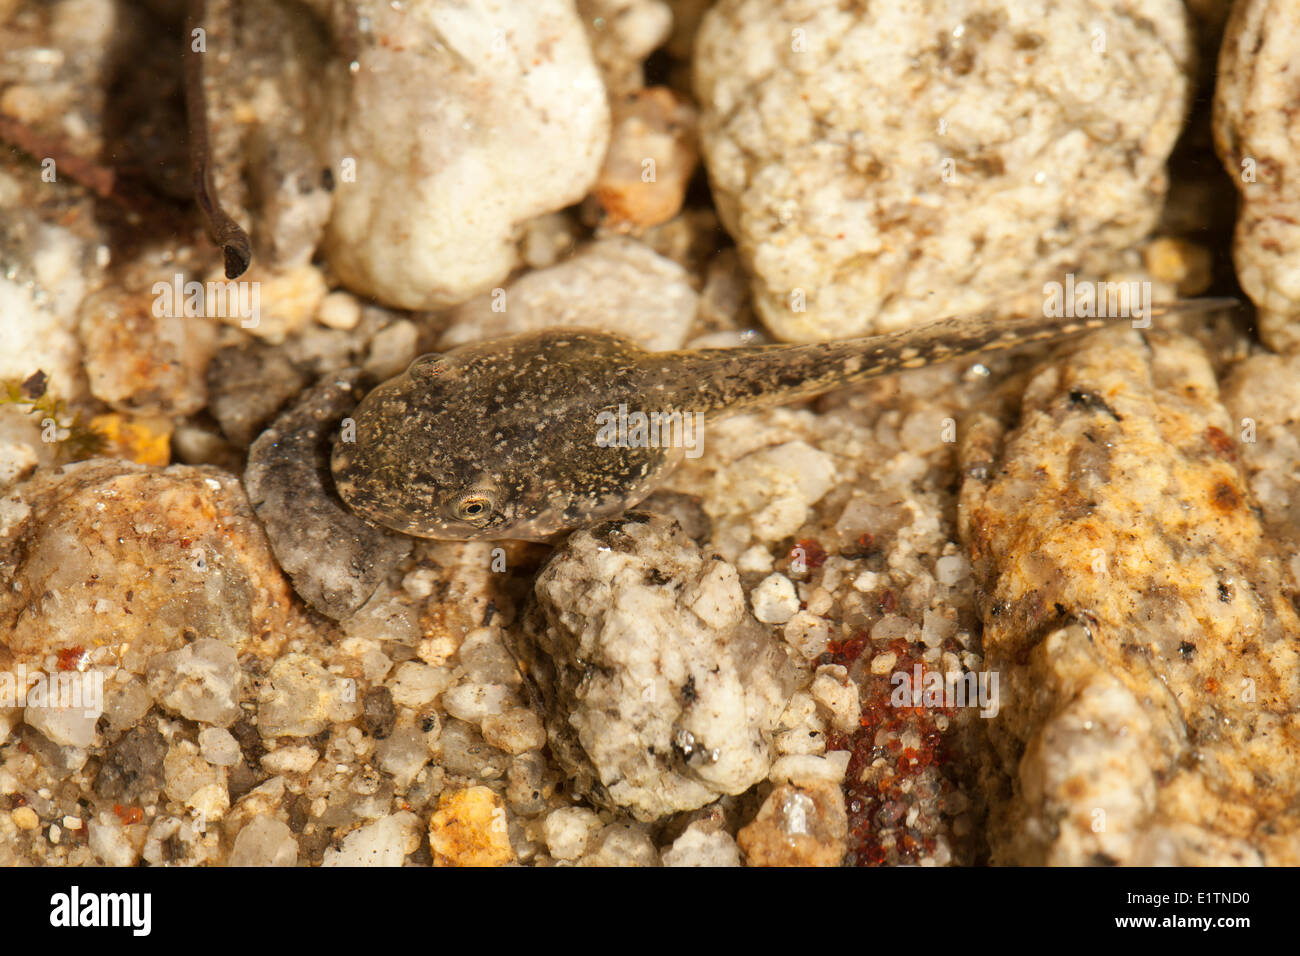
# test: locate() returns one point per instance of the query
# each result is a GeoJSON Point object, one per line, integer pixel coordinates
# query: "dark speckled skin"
{"type": "Point", "coordinates": [511, 424]}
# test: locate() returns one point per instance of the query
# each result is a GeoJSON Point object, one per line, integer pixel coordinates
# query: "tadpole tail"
{"type": "Point", "coordinates": [222, 229]}
{"type": "Point", "coordinates": [743, 379]}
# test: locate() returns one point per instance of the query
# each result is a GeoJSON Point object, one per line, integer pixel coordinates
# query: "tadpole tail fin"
{"type": "Point", "coordinates": [728, 381]}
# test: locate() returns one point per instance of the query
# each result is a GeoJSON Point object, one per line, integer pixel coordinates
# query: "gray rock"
{"type": "Point", "coordinates": [378, 712]}
{"type": "Point", "coordinates": [662, 693]}
{"type": "Point", "coordinates": [403, 755]}
{"type": "Point", "coordinates": [247, 385]}
{"type": "Point", "coordinates": [132, 767]}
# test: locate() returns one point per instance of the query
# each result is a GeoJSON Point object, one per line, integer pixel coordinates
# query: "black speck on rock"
{"type": "Point", "coordinates": [1091, 401]}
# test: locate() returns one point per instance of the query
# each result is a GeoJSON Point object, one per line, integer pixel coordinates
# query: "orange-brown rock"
{"type": "Point", "coordinates": [1138, 616]}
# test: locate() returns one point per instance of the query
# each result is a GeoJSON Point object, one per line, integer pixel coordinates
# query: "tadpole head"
{"type": "Point", "coordinates": [496, 440]}
{"type": "Point", "coordinates": [403, 461]}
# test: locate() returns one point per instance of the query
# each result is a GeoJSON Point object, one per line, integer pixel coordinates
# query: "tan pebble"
{"type": "Point", "coordinates": [650, 160]}
{"type": "Point", "coordinates": [143, 440]}
{"type": "Point", "coordinates": [25, 818]}
{"type": "Point", "coordinates": [798, 826]}
{"type": "Point", "coordinates": [516, 731]}
{"type": "Point", "coordinates": [339, 310]}
{"type": "Point", "coordinates": [469, 829]}
{"type": "Point", "coordinates": [1183, 263]}
{"type": "Point", "coordinates": [883, 663]}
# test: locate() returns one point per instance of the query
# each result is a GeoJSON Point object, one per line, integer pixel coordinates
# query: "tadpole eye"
{"type": "Point", "coordinates": [474, 506]}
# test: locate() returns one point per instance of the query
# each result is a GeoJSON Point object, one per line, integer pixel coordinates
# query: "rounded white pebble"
{"type": "Point", "coordinates": [755, 560]}
{"type": "Point", "coordinates": [218, 747]}
{"type": "Point", "coordinates": [867, 581]}
{"type": "Point", "coordinates": [950, 570]}
{"type": "Point", "coordinates": [807, 633]}
{"type": "Point", "coordinates": [568, 830]}
{"type": "Point", "coordinates": [339, 310]}
{"type": "Point", "coordinates": [774, 600]}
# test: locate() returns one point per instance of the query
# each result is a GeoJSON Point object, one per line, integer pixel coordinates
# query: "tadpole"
{"type": "Point", "coordinates": [222, 229]}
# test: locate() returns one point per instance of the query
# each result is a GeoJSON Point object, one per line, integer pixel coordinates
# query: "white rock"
{"type": "Point", "coordinates": [474, 702]}
{"type": "Point", "coordinates": [702, 846]}
{"type": "Point", "coordinates": [662, 708]}
{"type": "Point", "coordinates": [568, 830]}
{"type": "Point", "coordinates": [937, 627]}
{"type": "Point", "coordinates": [965, 152]}
{"type": "Point", "coordinates": [820, 601]}
{"type": "Point", "coordinates": [774, 600]}
{"type": "Point", "coordinates": [1257, 133]}
{"type": "Point", "coordinates": [485, 659]}
{"type": "Point", "coordinates": [194, 782]}
{"type": "Point", "coordinates": [416, 685]}
{"type": "Point", "coordinates": [299, 698]}
{"type": "Point", "coordinates": [40, 292]}
{"type": "Point", "coordinates": [808, 634]}
{"type": "Point", "coordinates": [622, 844]}
{"type": "Point", "coordinates": [18, 458]}
{"type": "Point", "coordinates": [867, 581]}
{"type": "Point", "coordinates": [615, 285]}
{"type": "Point", "coordinates": [126, 703]}
{"type": "Point", "coordinates": [883, 663]}
{"type": "Point", "coordinates": [838, 697]}
{"type": "Point", "coordinates": [891, 627]}
{"type": "Point", "coordinates": [804, 769]}
{"type": "Point", "coordinates": [339, 310]}
{"type": "Point", "coordinates": [623, 33]}
{"type": "Point", "coordinates": [755, 560]}
{"type": "Point", "coordinates": [71, 726]}
{"type": "Point", "coordinates": [951, 569]}
{"type": "Point", "coordinates": [465, 121]}
{"type": "Point", "coordinates": [290, 759]}
{"type": "Point", "coordinates": [516, 731]}
{"type": "Point", "coordinates": [264, 841]}
{"type": "Point", "coordinates": [800, 740]}
{"type": "Point", "coordinates": [716, 598]}
{"type": "Point", "coordinates": [385, 842]}
{"type": "Point", "coordinates": [774, 487]}
{"type": "Point", "coordinates": [200, 682]}
{"type": "Point", "coordinates": [403, 754]}
{"type": "Point", "coordinates": [218, 747]}
{"type": "Point", "coordinates": [111, 843]}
